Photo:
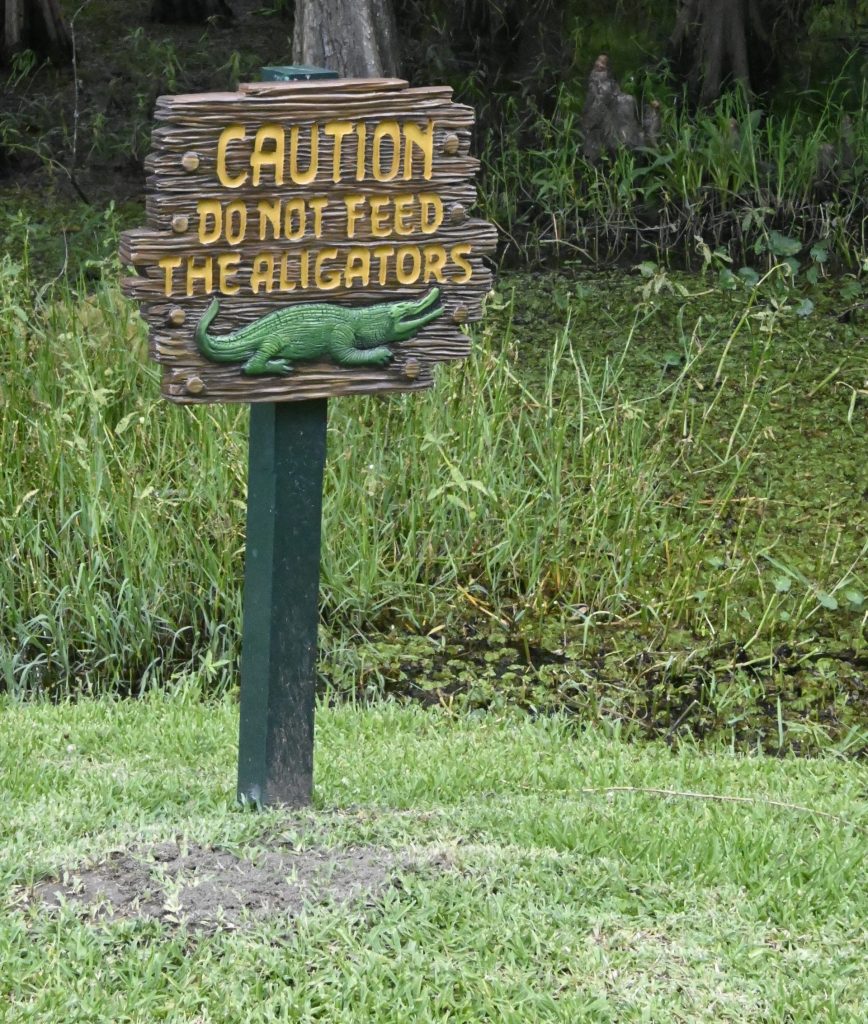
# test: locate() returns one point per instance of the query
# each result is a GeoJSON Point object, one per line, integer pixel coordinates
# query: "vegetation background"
{"type": "Point", "coordinates": [643, 498]}
{"type": "Point", "coordinates": [638, 511]}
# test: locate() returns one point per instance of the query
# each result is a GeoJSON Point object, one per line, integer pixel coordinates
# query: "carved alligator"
{"type": "Point", "coordinates": [345, 335]}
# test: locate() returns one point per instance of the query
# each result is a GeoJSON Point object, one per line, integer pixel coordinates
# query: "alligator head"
{"type": "Point", "coordinates": [398, 321]}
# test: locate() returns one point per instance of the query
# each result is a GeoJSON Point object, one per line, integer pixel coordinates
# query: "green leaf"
{"type": "Point", "coordinates": [715, 561]}
{"type": "Point", "coordinates": [855, 598]}
{"type": "Point", "coordinates": [480, 486]}
{"type": "Point", "coordinates": [827, 601]}
{"type": "Point", "coordinates": [783, 245]}
{"type": "Point", "coordinates": [819, 253]}
{"type": "Point", "coordinates": [783, 584]}
{"type": "Point", "coordinates": [749, 276]}
{"type": "Point", "coordinates": [124, 424]}
{"type": "Point", "coordinates": [453, 499]}
{"type": "Point", "coordinates": [804, 308]}
{"type": "Point", "coordinates": [789, 570]}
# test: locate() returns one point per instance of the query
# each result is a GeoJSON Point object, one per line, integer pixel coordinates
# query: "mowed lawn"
{"type": "Point", "coordinates": [542, 873]}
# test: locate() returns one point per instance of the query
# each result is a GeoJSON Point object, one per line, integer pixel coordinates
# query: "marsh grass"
{"type": "Point", "coordinates": [622, 504]}
{"type": "Point", "coordinates": [106, 492]}
{"type": "Point", "coordinates": [730, 175]}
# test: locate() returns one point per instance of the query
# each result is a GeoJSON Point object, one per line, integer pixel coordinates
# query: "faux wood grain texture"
{"type": "Point", "coordinates": [182, 171]}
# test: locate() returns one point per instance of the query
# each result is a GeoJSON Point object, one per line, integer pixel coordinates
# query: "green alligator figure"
{"type": "Point", "coordinates": [347, 336]}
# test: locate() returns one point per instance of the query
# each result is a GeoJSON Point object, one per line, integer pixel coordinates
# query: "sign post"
{"type": "Point", "coordinates": [286, 459]}
{"type": "Point", "coordinates": [281, 588]}
{"type": "Point", "coordinates": [306, 238]}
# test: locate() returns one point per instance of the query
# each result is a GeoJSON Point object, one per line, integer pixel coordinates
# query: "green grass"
{"type": "Point", "coordinates": [567, 891]}
{"type": "Point", "coordinates": [730, 176]}
{"type": "Point", "coordinates": [640, 498]}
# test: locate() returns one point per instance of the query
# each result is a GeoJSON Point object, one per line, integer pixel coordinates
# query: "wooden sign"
{"type": "Point", "coordinates": [308, 239]}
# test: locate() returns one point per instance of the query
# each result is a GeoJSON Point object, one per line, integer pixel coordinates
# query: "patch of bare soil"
{"type": "Point", "coordinates": [209, 889]}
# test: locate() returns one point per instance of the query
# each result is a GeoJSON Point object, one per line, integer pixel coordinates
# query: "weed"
{"type": "Point", "coordinates": [598, 494]}
{"type": "Point", "coordinates": [733, 176]}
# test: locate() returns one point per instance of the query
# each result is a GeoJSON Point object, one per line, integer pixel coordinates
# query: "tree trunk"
{"type": "Point", "coordinates": [195, 11]}
{"type": "Point", "coordinates": [356, 38]}
{"type": "Point", "coordinates": [34, 25]}
{"type": "Point", "coordinates": [712, 42]}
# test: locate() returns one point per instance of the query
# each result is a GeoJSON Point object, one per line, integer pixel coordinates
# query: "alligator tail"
{"type": "Point", "coordinates": [228, 348]}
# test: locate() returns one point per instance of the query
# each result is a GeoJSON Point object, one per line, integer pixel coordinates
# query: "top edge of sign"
{"type": "Point", "coordinates": [346, 88]}
{"type": "Point", "coordinates": [324, 85]}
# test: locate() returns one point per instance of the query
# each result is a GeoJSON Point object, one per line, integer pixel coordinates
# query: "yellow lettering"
{"type": "Point", "coordinates": [421, 139]}
{"type": "Point", "coordinates": [387, 130]}
{"type": "Point", "coordinates": [269, 216]}
{"type": "Point", "coordinates": [203, 273]}
{"type": "Point", "coordinates": [431, 212]}
{"type": "Point", "coordinates": [209, 208]}
{"type": "Point", "coordinates": [168, 264]}
{"type": "Point", "coordinates": [379, 222]}
{"type": "Point", "coordinates": [457, 253]}
{"type": "Point", "coordinates": [294, 209]}
{"type": "Point", "coordinates": [338, 129]}
{"type": "Point", "coordinates": [227, 266]}
{"type": "Point", "coordinates": [236, 221]}
{"type": "Point", "coordinates": [361, 139]}
{"type": "Point", "coordinates": [358, 266]}
{"type": "Point", "coordinates": [304, 268]}
{"type": "Point", "coordinates": [273, 155]}
{"type": "Point", "coordinates": [352, 203]}
{"type": "Point", "coordinates": [326, 281]}
{"type": "Point", "coordinates": [303, 177]}
{"type": "Point", "coordinates": [318, 204]}
{"type": "Point", "coordinates": [286, 285]}
{"type": "Point", "coordinates": [435, 260]}
{"type": "Point", "coordinates": [230, 134]}
{"type": "Point", "coordinates": [408, 276]}
{"type": "Point", "coordinates": [403, 211]}
{"type": "Point", "coordinates": [263, 273]}
{"type": "Point", "coordinates": [381, 254]}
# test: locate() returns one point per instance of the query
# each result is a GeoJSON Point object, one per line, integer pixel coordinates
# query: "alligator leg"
{"type": "Point", "coordinates": [346, 354]}
{"type": "Point", "coordinates": [261, 362]}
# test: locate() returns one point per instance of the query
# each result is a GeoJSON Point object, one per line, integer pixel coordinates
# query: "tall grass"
{"type": "Point", "coordinates": [526, 490]}
{"type": "Point", "coordinates": [120, 516]}
{"type": "Point", "coordinates": [730, 175]}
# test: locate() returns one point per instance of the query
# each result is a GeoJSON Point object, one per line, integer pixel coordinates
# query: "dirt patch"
{"type": "Point", "coordinates": [209, 889]}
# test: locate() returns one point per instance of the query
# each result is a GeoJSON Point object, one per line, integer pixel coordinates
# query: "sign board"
{"type": "Point", "coordinates": [308, 239]}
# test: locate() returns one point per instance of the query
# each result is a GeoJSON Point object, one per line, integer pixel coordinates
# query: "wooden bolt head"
{"type": "Point", "coordinates": [195, 385]}
{"type": "Point", "coordinates": [180, 223]}
{"type": "Point", "coordinates": [190, 161]}
{"type": "Point", "coordinates": [411, 369]}
{"type": "Point", "coordinates": [451, 144]}
{"type": "Point", "coordinates": [459, 314]}
{"type": "Point", "coordinates": [457, 215]}
{"type": "Point", "coordinates": [176, 316]}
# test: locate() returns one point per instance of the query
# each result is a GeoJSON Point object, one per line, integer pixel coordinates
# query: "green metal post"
{"type": "Point", "coordinates": [287, 451]}
{"type": "Point", "coordinates": [281, 588]}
